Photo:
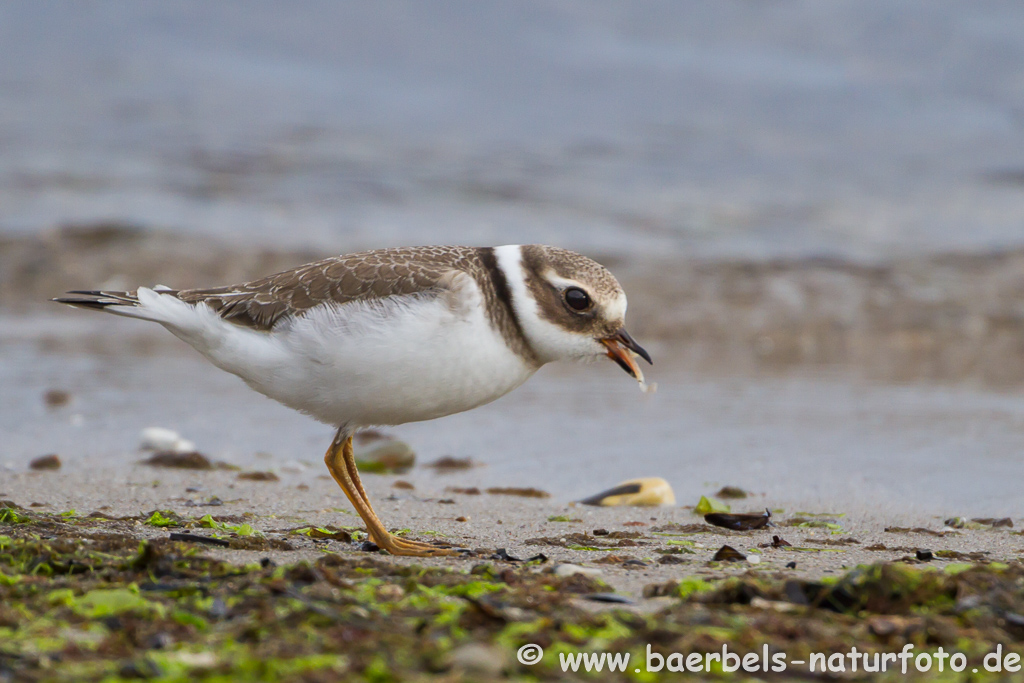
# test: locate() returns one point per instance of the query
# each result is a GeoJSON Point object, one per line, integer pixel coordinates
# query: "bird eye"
{"type": "Point", "coordinates": [577, 299]}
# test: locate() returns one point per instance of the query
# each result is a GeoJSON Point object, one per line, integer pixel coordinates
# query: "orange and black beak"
{"type": "Point", "coordinates": [619, 346]}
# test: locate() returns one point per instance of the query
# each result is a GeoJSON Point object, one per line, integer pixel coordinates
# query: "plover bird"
{"type": "Point", "coordinates": [392, 336]}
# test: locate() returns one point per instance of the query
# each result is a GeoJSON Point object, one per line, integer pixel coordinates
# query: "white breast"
{"type": "Point", "coordinates": [391, 361]}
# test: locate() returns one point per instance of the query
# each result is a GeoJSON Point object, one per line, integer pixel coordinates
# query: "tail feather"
{"type": "Point", "coordinates": [128, 304]}
{"type": "Point", "coordinates": [98, 299]}
{"type": "Point", "coordinates": [159, 304]}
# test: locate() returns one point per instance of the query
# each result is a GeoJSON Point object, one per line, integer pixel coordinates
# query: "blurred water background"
{"type": "Point", "coordinates": [817, 209]}
{"type": "Point", "coordinates": [856, 128]}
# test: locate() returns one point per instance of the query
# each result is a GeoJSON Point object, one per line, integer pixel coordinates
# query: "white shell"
{"type": "Point", "coordinates": [162, 439]}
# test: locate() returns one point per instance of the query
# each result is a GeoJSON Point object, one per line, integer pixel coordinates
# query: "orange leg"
{"type": "Point", "coordinates": [342, 465]}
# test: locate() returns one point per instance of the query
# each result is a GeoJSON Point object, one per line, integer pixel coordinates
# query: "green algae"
{"type": "Point", "coordinates": [89, 601]}
{"type": "Point", "coordinates": [243, 529]}
{"type": "Point", "coordinates": [10, 515]}
{"type": "Point", "coordinates": [106, 602]}
{"type": "Point", "coordinates": [317, 532]}
{"type": "Point", "coordinates": [707, 506]}
{"type": "Point", "coordinates": [562, 518]}
{"type": "Point", "coordinates": [692, 585]}
{"type": "Point", "coordinates": [163, 518]}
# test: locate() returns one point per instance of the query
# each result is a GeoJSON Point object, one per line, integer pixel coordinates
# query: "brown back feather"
{"type": "Point", "coordinates": [368, 275]}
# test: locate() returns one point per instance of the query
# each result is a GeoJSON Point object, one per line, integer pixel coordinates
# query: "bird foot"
{"type": "Point", "coordinates": [401, 546]}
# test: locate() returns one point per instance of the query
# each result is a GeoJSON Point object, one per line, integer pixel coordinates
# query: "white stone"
{"type": "Point", "coordinates": [162, 439]}
{"type": "Point", "coordinates": [563, 570]}
{"type": "Point", "coordinates": [479, 659]}
{"type": "Point", "coordinates": [158, 439]}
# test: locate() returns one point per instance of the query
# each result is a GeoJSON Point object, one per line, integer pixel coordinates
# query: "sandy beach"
{"type": "Point", "coordinates": [828, 542]}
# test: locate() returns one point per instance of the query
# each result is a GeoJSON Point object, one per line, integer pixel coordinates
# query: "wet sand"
{"type": "Point", "coordinates": [811, 441]}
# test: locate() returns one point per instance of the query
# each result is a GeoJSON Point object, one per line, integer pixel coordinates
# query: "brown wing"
{"type": "Point", "coordinates": [260, 304]}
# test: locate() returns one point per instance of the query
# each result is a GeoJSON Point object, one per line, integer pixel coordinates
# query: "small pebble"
{"type": "Point", "coordinates": [218, 609]}
{"type": "Point", "coordinates": [157, 438]}
{"type": "Point", "coordinates": [55, 398]}
{"type": "Point", "coordinates": [258, 476]}
{"type": "Point", "coordinates": [728, 554]}
{"type": "Point", "coordinates": [502, 554]}
{"type": "Point", "coordinates": [160, 641]}
{"type": "Point", "coordinates": [731, 492]}
{"type": "Point", "coordinates": [563, 570]}
{"type": "Point", "coordinates": [383, 453]}
{"type": "Point", "coordinates": [524, 492]}
{"type": "Point", "coordinates": [466, 491]}
{"type": "Point", "coordinates": [185, 461]}
{"type": "Point", "coordinates": [608, 597]}
{"type": "Point", "coordinates": [46, 462]}
{"type": "Point", "coordinates": [993, 522]}
{"type": "Point", "coordinates": [478, 659]}
{"type": "Point", "coordinates": [390, 592]}
{"type": "Point", "coordinates": [463, 518]}
{"type": "Point", "coordinates": [165, 440]}
{"type": "Point", "coordinates": [449, 463]}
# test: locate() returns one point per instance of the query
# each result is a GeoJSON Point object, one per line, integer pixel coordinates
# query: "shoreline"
{"type": "Point", "coordinates": [948, 317]}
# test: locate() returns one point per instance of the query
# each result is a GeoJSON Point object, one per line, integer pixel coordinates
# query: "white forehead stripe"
{"type": "Point", "coordinates": [561, 282]}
